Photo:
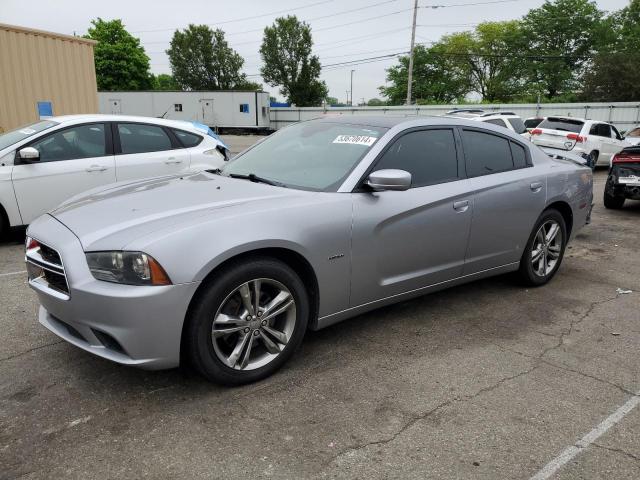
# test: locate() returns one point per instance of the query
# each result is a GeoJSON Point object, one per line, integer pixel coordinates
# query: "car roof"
{"type": "Point", "coordinates": [99, 117]}
{"type": "Point", "coordinates": [390, 121]}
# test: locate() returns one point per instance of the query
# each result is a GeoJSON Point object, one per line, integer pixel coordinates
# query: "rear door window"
{"type": "Point", "coordinates": [600, 130]}
{"type": "Point", "coordinates": [486, 153]}
{"type": "Point", "coordinates": [519, 155]}
{"type": "Point", "coordinates": [562, 124]}
{"type": "Point", "coordinates": [141, 138]}
{"type": "Point", "coordinates": [428, 155]}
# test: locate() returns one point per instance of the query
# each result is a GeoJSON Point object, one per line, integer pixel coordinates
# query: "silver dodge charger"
{"type": "Point", "coordinates": [319, 222]}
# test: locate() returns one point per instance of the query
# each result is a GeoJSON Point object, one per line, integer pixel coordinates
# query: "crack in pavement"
{"type": "Point", "coordinates": [417, 418]}
{"type": "Point", "coordinates": [617, 450]}
{"type": "Point", "coordinates": [10, 357]}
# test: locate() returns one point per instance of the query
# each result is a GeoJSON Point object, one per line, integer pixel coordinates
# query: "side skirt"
{"type": "Point", "coordinates": [327, 320]}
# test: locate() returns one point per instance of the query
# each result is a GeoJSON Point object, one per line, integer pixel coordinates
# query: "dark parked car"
{"type": "Point", "coordinates": [624, 178]}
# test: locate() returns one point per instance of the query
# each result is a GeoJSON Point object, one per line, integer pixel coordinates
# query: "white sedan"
{"type": "Point", "coordinates": [43, 164]}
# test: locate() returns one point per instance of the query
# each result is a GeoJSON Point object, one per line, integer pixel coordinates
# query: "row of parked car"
{"type": "Point", "coordinates": [593, 142]}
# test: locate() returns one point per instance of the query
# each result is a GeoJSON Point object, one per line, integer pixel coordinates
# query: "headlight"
{"type": "Point", "coordinates": [130, 268]}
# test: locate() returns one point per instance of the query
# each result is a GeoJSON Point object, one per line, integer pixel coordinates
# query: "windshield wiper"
{"type": "Point", "coordinates": [255, 178]}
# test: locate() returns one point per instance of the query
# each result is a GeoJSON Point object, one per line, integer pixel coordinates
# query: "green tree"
{"type": "Point", "coordinates": [201, 59]}
{"type": "Point", "coordinates": [164, 81]}
{"type": "Point", "coordinates": [437, 76]}
{"type": "Point", "coordinates": [561, 35]}
{"type": "Point", "coordinates": [288, 62]}
{"type": "Point", "coordinates": [613, 74]}
{"type": "Point", "coordinates": [376, 102]}
{"type": "Point", "coordinates": [121, 62]}
{"type": "Point", "coordinates": [331, 101]}
{"type": "Point", "coordinates": [492, 52]}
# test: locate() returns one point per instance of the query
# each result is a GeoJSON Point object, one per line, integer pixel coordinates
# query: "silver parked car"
{"type": "Point", "coordinates": [317, 223]}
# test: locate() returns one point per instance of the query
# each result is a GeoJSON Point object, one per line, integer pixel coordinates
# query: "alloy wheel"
{"type": "Point", "coordinates": [253, 324]}
{"type": "Point", "coordinates": [547, 246]}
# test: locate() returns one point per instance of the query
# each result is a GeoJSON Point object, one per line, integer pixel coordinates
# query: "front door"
{"type": "Point", "coordinates": [147, 151]}
{"type": "Point", "coordinates": [410, 239]}
{"type": "Point", "coordinates": [72, 160]}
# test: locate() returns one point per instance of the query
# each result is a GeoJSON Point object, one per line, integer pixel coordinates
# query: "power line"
{"type": "Point", "coordinates": [468, 4]}
{"type": "Point", "coordinates": [244, 18]}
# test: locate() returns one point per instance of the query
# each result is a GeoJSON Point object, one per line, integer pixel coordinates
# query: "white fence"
{"type": "Point", "coordinates": [622, 114]}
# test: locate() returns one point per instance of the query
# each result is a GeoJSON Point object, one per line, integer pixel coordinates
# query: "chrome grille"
{"type": "Point", "coordinates": [46, 270]}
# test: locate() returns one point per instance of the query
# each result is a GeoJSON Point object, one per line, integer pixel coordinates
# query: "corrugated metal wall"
{"type": "Point", "coordinates": [623, 115]}
{"type": "Point", "coordinates": [37, 66]}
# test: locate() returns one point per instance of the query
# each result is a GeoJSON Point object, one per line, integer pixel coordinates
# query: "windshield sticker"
{"type": "Point", "coordinates": [27, 131]}
{"type": "Point", "coordinates": [355, 140]}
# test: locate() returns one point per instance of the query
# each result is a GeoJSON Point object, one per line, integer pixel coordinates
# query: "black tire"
{"type": "Point", "coordinates": [593, 159]}
{"type": "Point", "coordinates": [526, 271]}
{"type": "Point", "coordinates": [198, 337]}
{"type": "Point", "coordinates": [613, 202]}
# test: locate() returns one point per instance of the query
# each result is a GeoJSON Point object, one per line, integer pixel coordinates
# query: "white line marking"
{"type": "Point", "coordinates": [570, 452]}
{"type": "Point", "coordinates": [22, 272]}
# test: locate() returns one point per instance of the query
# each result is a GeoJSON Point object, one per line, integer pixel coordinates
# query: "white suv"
{"type": "Point", "coordinates": [597, 141]}
{"type": "Point", "coordinates": [507, 120]}
{"type": "Point", "coordinates": [43, 164]}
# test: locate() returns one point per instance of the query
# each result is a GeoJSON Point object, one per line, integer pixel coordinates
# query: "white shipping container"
{"type": "Point", "coordinates": [216, 109]}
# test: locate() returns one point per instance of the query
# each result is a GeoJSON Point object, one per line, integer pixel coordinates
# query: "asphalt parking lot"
{"type": "Point", "coordinates": [487, 380]}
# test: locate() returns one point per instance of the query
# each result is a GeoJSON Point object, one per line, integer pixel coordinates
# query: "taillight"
{"type": "Point", "coordinates": [536, 131]}
{"type": "Point", "coordinates": [576, 137]}
{"type": "Point", "coordinates": [615, 159]}
{"type": "Point", "coordinates": [625, 158]}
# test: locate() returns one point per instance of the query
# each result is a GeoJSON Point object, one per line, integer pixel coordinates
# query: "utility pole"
{"type": "Point", "coordinates": [352, 87]}
{"type": "Point", "coordinates": [413, 41]}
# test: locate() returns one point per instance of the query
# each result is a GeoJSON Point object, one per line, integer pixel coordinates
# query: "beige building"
{"type": "Point", "coordinates": [44, 74]}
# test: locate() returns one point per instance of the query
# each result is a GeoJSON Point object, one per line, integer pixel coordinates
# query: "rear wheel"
{"type": "Point", "coordinates": [613, 202]}
{"type": "Point", "coordinates": [545, 249]}
{"type": "Point", "coordinates": [247, 322]}
{"type": "Point", "coordinates": [593, 159]}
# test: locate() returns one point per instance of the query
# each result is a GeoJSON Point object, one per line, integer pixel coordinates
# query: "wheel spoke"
{"type": "Point", "coordinates": [226, 331]}
{"type": "Point", "coordinates": [268, 343]}
{"type": "Point", "coordinates": [536, 254]}
{"type": "Point", "coordinates": [225, 320]}
{"type": "Point", "coordinates": [553, 231]}
{"type": "Point", "coordinates": [245, 293]}
{"type": "Point", "coordinates": [278, 311]}
{"type": "Point", "coordinates": [279, 336]}
{"type": "Point", "coordinates": [540, 236]}
{"type": "Point", "coordinates": [277, 300]}
{"type": "Point", "coordinates": [554, 252]}
{"type": "Point", "coordinates": [257, 285]}
{"type": "Point", "coordinates": [247, 353]}
{"type": "Point", "coordinates": [237, 351]}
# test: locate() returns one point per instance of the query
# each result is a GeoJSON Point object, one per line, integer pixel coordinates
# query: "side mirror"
{"type": "Point", "coordinates": [29, 154]}
{"type": "Point", "coordinates": [389, 179]}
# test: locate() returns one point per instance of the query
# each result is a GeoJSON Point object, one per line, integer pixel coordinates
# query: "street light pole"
{"type": "Point", "coordinates": [352, 87]}
{"type": "Point", "coordinates": [413, 41]}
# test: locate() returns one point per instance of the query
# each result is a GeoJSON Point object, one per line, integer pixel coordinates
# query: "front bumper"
{"type": "Point", "coordinates": [132, 325]}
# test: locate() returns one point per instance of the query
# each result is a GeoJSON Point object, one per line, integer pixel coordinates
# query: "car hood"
{"type": "Point", "coordinates": [113, 216]}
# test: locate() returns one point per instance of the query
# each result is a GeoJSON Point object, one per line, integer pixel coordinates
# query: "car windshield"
{"type": "Point", "coordinates": [312, 155]}
{"type": "Point", "coordinates": [563, 124]}
{"type": "Point", "coordinates": [517, 124]}
{"type": "Point", "coordinates": [14, 136]}
{"type": "Point", "coordinates": [634, 133]}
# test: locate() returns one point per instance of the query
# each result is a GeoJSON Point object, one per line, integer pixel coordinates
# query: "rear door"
{"type": "Point", "coordinates": [405, 240]}
{"type": "Point", "coordinates": [145, 150]}
{"type": "Point", "coordinates": [72, 160]}
{"type": "Point", "coordinates": [508, 196]}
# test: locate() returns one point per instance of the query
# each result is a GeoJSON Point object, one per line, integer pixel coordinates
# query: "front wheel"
{"type": "Point", "coordinates": [247, 322]}
{"type": "Point", "coordinates": [545, 249]}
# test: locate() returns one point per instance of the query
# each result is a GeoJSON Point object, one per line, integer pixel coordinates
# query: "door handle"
{"type": "Point", "coordinates": [461, 206]}
{"type": "Point", "coordinates": [536, 187]}
{"type": "Point", "coordinates": [96, 168]}
{"type": "Point", "coordinates": [172, 161]}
